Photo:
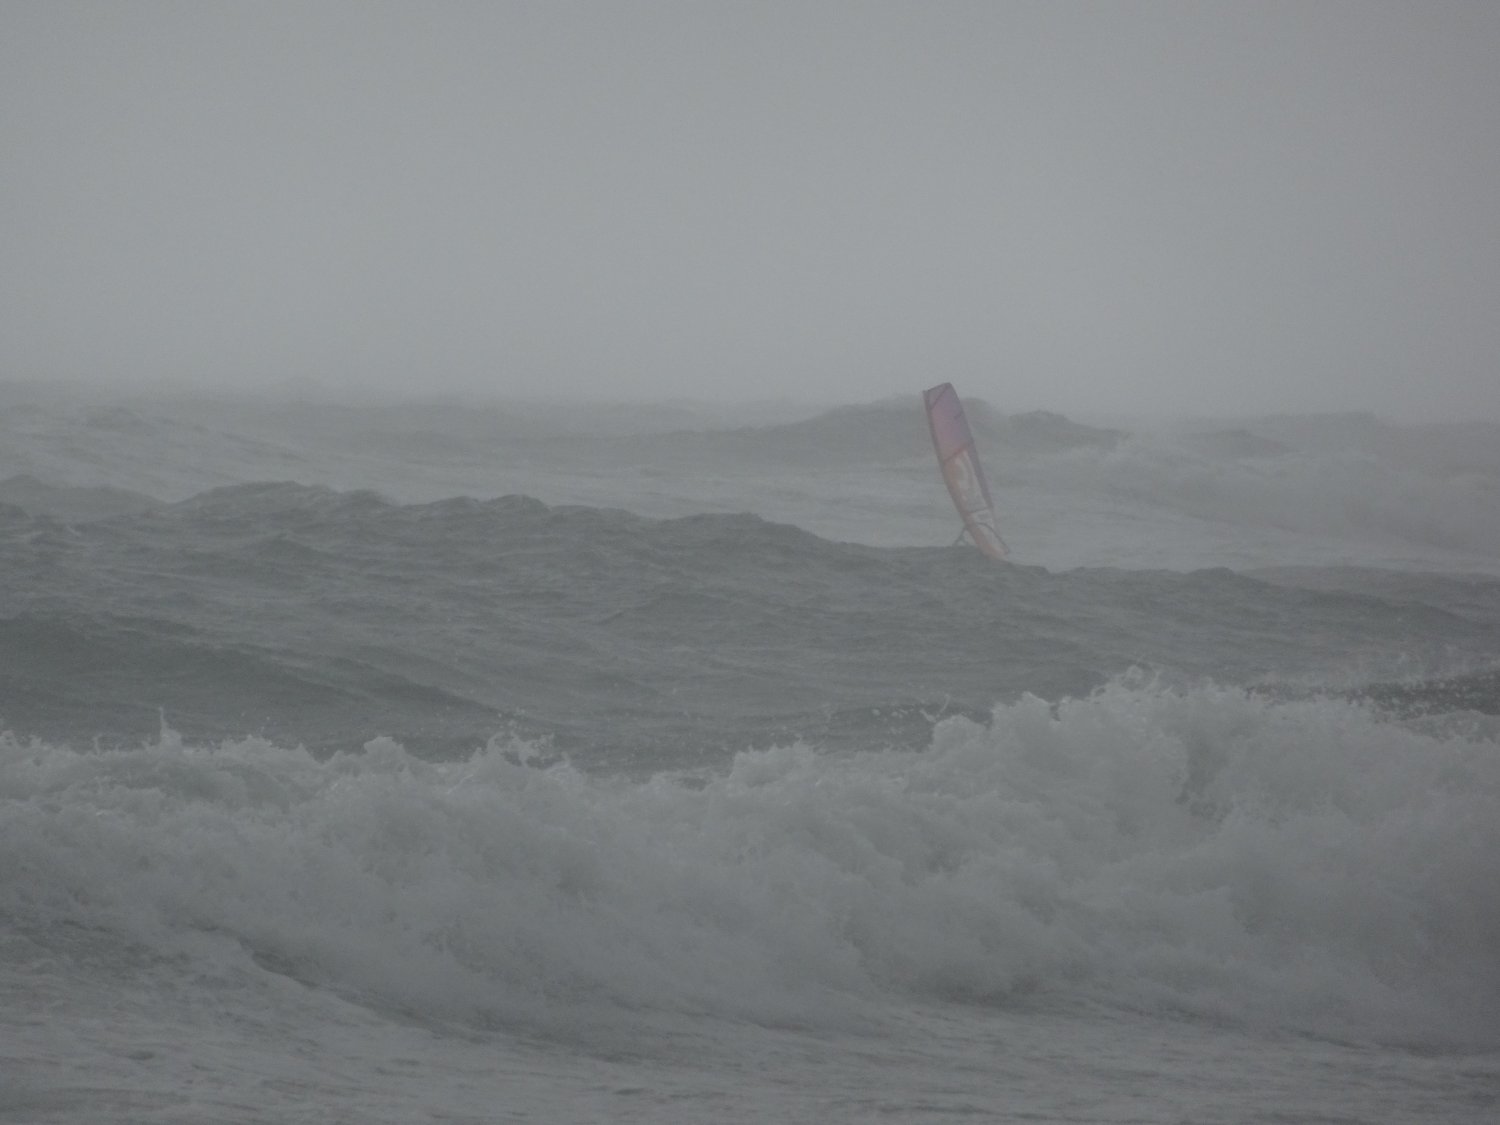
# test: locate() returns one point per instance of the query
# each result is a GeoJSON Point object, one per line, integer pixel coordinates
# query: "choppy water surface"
{"type": "Point", "coordinates": [631, 784]}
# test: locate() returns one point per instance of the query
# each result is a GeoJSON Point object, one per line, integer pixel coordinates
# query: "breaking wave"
{"type": "Point", "coordinates": [1205, 852]}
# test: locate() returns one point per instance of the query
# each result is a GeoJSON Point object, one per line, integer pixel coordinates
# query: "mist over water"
{"type": "Point", "coordinates": [1073, 206]}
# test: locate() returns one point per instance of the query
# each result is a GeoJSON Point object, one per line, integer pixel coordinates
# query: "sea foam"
{"type": "Point", "coordinates": [1204, 852]}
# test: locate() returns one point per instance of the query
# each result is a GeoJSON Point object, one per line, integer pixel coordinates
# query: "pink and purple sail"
{"type": "Point", "coordinates": [966, 484]}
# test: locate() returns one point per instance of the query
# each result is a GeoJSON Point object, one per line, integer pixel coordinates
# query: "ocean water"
{"type": "Point", "coordinates": [449, 762]}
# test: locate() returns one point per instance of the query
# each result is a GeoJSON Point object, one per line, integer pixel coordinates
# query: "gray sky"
{"type": "Point", "coordinates": [1126, 207]}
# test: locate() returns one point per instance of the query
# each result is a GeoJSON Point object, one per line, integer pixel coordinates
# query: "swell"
{"type": "Point", "coordinates": [334, 617]}
{"type": "Point", "coordinates": [108, 681]}
{"type": "Point", "coordinates": [1376, 487]}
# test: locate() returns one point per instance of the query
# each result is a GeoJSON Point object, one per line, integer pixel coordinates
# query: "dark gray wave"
{"type": "Point", "coordinates": [328, 618]}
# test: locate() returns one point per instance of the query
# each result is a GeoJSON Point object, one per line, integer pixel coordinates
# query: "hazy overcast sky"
{"type": "Point", "coordinates": [1188, 207]}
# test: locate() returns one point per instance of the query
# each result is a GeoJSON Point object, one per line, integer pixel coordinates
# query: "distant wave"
{"type": "Point", "coordinates": [1338, 493]}
{"type": "Point", "coordinates": [327, 617]}
{"type": "Point", "coordinates": [1342, 478]}
{"type": "Point", "coordinates": [113, 681]}
{"type": "Point", "coordinates": [72, 503]}
{"type": "Point", "coordinates": [892, 431]}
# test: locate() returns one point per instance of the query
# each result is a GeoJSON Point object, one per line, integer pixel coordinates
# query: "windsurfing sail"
{"type": "Point", "coordinates": [960, 463]}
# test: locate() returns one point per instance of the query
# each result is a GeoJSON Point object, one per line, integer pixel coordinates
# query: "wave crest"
{"type": "Point", "coordinates": [1305, 864]}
